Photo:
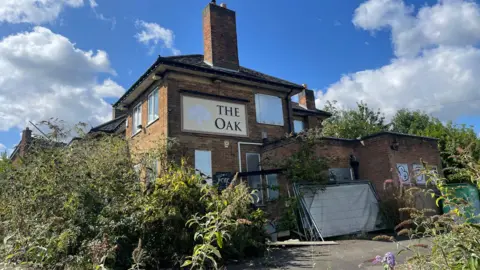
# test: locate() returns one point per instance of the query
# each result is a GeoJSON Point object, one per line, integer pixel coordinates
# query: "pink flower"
{"type": "Point", "coordinates": [378, 259]}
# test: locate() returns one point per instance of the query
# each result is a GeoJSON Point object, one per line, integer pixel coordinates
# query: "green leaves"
{"type": "Point", "coordinates": [219, 239]}
{"type": "Point", "coordinates": [354, 123]}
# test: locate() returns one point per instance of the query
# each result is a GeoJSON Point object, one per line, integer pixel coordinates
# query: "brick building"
{"type": "Point", "coordinates": [229, 117]}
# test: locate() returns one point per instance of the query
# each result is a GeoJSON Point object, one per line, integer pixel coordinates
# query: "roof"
{"type": "Point", "coordinates": [296, 107]}
{"type": "Point", "coordinates": [287, 140]}
{"type": "Point", "coordinates": [398, 134]}
{"type": "Point", "coordinates": [112, 126]}
{"type": "Point", "coordinates": [40, 143]}
{"type": "Point", "coordinates": [196, 62]}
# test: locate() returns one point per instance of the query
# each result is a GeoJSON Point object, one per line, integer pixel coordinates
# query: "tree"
{"type": "Point", "coordinates": [451, 137]}
{"type": "Point", "coordinates": [410, 122]}
{"type": "Point", "coordinates": [352, 123]}
{"type": "Point", "coordinates": [4, 162]}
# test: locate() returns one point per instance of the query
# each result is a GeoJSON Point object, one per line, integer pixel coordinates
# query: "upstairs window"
{"type": "Point", "coordinates": [298, 126]}
{"type": "Point", "coordinates": [137, 118]}
{"type": "Point", "coordinates": [153, 106]}
{"type": "Point", "coordinates": [269, 109]}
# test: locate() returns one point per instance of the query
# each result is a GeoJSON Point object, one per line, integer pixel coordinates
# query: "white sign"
{"type": "Point", "coordinates": [402, 170]}
{"type": "Point", "coordinates": [212, 116]}
{"type": "Point", "coordinates": [419, 174]}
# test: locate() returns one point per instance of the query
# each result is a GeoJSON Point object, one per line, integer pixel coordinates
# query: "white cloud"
{"type": "Point", "coordinates": [450, 22]}
{"type": "Point", "coordinates": [93, 4]}
{"type": "Point", "coordinates": [43, 75]}
{"type": "Point", "coordinates": [2, 147]}
{"type": "Point", "coordinates": [152, 34]}
{"type": "Point", "coordinates": [109, 88]}
{"type": "Point", "coordinates": [100, 16]}
{"type": "Point", "coordinates": [34, 11]}
{"type": "Point", "coordinates": [436, 68]}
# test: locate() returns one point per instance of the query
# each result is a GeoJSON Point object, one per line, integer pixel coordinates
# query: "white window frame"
{"type": "Point", "coordinates": [294, 127]}
{"type": "Point", "coordinates": [209, 173]}
{"type": "Point", "coordinates": [153, 106]}
{"type": "Point", "coordinates": [258, 109]}
{"type": "Point", "coordinates": [136, 119]}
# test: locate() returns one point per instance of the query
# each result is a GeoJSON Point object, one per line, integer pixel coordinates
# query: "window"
{"type": "Point", "coordinates": [137, 118]}
{"type": "Point", "coordinates": [269, 109]}
{"type": "Point", "coordinates": [298, 126]}
{"type": "Point", "coordinates": [272, 190]}
{"type": "Point", "coordinates": [203, 164]}
{"type": "Point", "coordinates": [255, 181]}
{"type": "Point", "coordinates": [152, 172]}
{"type": "Point", "coordinates": [153, 106]}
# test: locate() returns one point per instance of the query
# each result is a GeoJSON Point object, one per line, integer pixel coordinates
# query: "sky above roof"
{"type": "Point", "coordinates": [71, 59]}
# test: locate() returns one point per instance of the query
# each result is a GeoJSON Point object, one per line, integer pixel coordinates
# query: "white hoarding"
{"type": "Point", "coordinates": [212, 116]}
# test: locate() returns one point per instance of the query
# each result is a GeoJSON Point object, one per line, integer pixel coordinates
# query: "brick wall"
{"type": "Point", "coordinates": [223, 158]}
{"type": "Point", "coordinates": [378, 161]}
{"type": "Point", "coordinates": [374, 161]}
{"type": "Point", "coordinates": [151, 134]}
{"type": "Point", "coordinates": [335, 151]}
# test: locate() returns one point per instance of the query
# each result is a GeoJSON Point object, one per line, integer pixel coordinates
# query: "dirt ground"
{"type": "Point", "coordinates": [347, 255]}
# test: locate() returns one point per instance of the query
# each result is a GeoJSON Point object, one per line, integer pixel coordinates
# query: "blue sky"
{"type": "Point", "coordinates": [389, 53]}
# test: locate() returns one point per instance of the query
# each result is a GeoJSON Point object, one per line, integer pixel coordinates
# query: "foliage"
{"type": "Point", "coordinates": [83, 207]}
{"type": "Point", "coordinates": [4, 163]}
{"type": "Point", "coordinates": [454, 240]}
{"type": "Point", "coordinates": [304, 165]}
{"type": "Point", "coordinates": [288, 220]}
{"type": "Point", "coordinates": [224, 230]}
{"type": "Point", "coordinates": [451, 137]}
{"type": "Point", "coordinates": [354, 123]}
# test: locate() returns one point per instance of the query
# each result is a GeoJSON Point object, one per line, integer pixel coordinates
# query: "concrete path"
{"type": "Point", "coordinates": [347, 255]}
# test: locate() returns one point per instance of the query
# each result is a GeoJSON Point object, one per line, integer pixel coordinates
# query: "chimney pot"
{"type": "Point", "coordinates": [223, 5]}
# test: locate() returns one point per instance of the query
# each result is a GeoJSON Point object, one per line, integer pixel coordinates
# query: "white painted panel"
{"type": "Point", "coordinates": [403, 175]}
{"type": "Point", "coordinates": [213, 116]}
{"type": "Point", "coordinates": [418, 174]}
{"type": "Point", "coordinates": [343, 209]}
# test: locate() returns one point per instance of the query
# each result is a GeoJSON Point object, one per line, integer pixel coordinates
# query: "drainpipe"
{"type": "Point", "coordinates": [240, 153]}
{"type": "Point", "coordinates": [287, 99]}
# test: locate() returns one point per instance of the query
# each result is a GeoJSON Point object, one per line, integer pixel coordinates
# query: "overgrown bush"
{"type": "Point", "coordinates": [84, 206]}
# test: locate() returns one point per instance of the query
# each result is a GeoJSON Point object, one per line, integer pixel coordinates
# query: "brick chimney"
{"type": "Point", "coordinates": [307, 99]}
{"type": "Point", "coordinates": [220, 37]}
{"type": "Point", "coordinates": [24, 143]}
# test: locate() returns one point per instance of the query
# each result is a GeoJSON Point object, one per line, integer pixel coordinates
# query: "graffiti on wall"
{"type": "Point", "coordinates": [403, 175]}
{"type": "Point", "coordinates": [418, 173]}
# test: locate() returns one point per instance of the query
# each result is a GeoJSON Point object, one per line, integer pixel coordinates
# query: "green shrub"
{"type": "Point", "coordinates": [84, 207]}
